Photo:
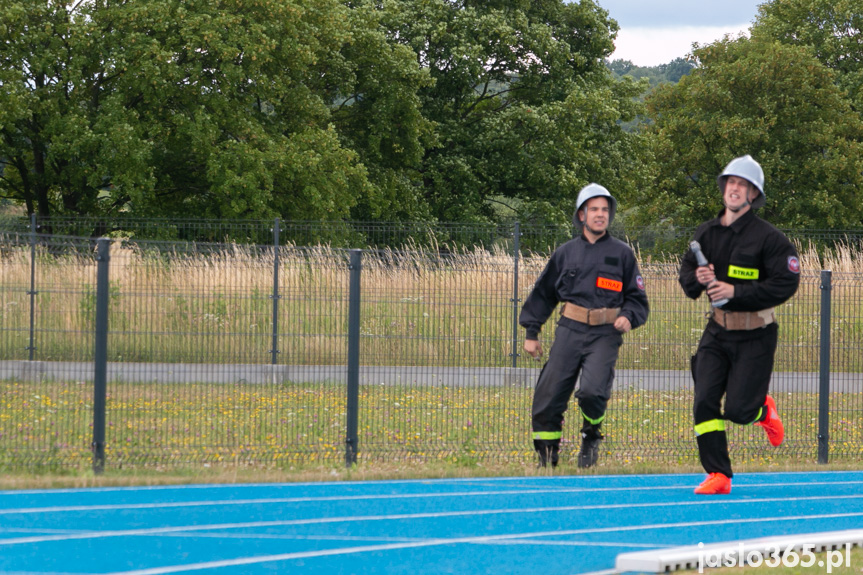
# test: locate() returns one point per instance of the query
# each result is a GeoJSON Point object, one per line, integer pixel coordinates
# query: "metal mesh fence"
{"type": "Point", "coordinates": [659, 240]}
{"type": "Point", "coordinates": [238, 353]}
{"type": "Point", "coordinates": [47, 298]}
{"type": "Point", "coordinates": [846, 343]}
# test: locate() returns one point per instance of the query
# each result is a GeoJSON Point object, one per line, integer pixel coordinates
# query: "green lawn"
{"type": "Point", "coordinates": [282, 425]}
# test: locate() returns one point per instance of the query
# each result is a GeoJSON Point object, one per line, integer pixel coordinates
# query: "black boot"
{"type": "Point", "coordinates": [548, 451]}
{"type": "Point", "coordinates": [590, 440]}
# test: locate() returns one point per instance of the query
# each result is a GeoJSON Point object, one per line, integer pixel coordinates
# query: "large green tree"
{"type": "Point", "coordinates": [195, 107]}
{"type": "Point", "coordinates": [524, 108]}
{"type": "Point", "coordinates": [832, 28]}
{"type": "Point", "coordinates": [774, 101]}
{"type": "Point", "coordinates": [381, 119]}
{"type": "Point", "coordinates": [311, 109]}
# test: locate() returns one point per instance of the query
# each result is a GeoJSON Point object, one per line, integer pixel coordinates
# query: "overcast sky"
{"type": "Point", "coordinates": [656, 32]}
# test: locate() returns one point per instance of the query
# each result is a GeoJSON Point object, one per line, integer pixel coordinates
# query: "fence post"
{"type": "Point", "coordinates": [32, 293]}
{"type": "Point", "coordinates": [824, 369]}
{"type": "Point", "coordinates": [100, 354]}
{"type": "Point", "coordinates": [516, 249]}
{"type": "Point", "coordinates": [351, 439]}
{"type": "Point", "coordinates": [275, 349]}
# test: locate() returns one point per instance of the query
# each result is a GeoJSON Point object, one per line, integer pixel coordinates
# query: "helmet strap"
{"type": "Point", "coordinates": [746, 204]}
{"type": "Point", "coordinates": [735, 210]}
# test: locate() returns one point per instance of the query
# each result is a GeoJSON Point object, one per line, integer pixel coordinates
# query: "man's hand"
{"type": "Point", "coordinates": [622, 324]}
{"type": "Point", "coordinates": [533, 348]}
{"type": "Point", "coordinates": [716, 290]}
{"type": "Point", "coordinates": [705, 274]}
{"type": "Point", "coordinates": [720, 290]}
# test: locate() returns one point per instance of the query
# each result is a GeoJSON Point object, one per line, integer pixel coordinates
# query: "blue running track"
{"type": "Point", "coordinates": [546, 525]}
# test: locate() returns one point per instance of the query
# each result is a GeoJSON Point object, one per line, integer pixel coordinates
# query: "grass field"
{"type": "Point", "coordinates": [286, 426]}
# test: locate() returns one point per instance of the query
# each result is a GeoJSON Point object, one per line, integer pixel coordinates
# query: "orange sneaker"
{"type": "Point", "coordinates": [715, 484]}
{"type": "Point", "coordinates": [772, 424]}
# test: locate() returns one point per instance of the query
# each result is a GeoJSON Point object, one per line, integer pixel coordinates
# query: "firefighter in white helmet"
{"type": "Point", "coordinates": [596, 278]}
{"type": "Point", "coordinates": [752, 267]}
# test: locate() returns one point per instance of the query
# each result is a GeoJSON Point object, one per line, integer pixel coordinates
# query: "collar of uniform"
{"type": "Point", "coordinates": [738, 224]}
{"type": "Point", "coordinates": [602, 238]}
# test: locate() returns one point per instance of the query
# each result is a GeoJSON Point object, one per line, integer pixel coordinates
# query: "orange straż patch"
{"type": "Point", "coordinates": [605, 283]}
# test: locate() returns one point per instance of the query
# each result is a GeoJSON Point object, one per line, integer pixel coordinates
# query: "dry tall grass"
{"type": "Point", "coordinates": [417, 308]}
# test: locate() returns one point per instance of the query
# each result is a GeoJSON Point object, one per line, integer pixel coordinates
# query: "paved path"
{"type": "Point", "coordinates": [647, 379]}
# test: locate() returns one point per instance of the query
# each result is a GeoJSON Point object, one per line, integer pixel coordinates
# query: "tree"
{"type": "Point", "coordinates": [670, 72]}
{"type": "Point", "coordinates": [676, 69]}
{"type": "Point", "coordinates": [655, 75]}
{"type": "Point", "coordinates": [831, 27]}
{"type": "Point", "coordinates": [311, 109]}
{"type": "Point", "coordinates": [168, 108]}
{"type": "Point", "coordinates": [381, 118]}
{"type": "Point", "coordinates": [524, 109]}
{"type": "Point", "coordinates": [775, 102]}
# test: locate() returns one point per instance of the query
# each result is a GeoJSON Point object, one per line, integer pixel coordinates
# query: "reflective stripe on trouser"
{"type": "Point", "coordinates": [548, 435]}
{"type": "Point", "coordinates": [736, 365]}
{"type": "Point", "coordinates": [762, 414]}
{"type": "Point", "coordinates": [708, 426]}
{"type": "Point", "coordinates": [592, 354]}
{"type": "Point", "coordinates": [594, 421]}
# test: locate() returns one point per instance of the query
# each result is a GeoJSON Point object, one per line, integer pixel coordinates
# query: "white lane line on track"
{"type": "Point", "coordinates": [46, 573]}
{"type": "Point", "coordinates": [333, 498]}
{"type": "Point", "coordinates": [291, 537]}
{"type": "Point", "coordinates": [406, 516]}
{"type": "Point", "coordinates": [576, 544]}
{"type": "Point", "coordinates": [407, 539]}
{"type": "Point", "coordinates": [520, 481]}
{"type": "Point", "coordinates": [40, 530]}
{"type": "Point", "coordinates": [451, 541]}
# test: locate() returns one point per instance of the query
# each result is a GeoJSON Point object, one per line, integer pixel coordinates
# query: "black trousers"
{"type": "Point", "coordinates": [590, 353]}
{"type": "Point", "coordinates": [736, 365]}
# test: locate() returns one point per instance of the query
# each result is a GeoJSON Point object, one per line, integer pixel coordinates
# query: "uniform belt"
{"type": "Point", "coordinates": [598, 316]}
{"type": "Point", "coordinates": [743, 320]}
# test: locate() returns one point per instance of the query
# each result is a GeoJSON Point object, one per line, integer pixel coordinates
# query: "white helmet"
{"type": "Point", "coordinates": [748, 169]}
{"type": "Point", "coordinates": [594, 191]}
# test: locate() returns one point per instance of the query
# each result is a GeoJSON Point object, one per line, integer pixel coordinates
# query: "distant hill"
{"type": "Point", "coordinates": [671, 72]}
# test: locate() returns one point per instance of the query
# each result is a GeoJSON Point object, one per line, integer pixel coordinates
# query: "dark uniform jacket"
{"type": "Point", "coordinates": [600, 275]}
{"type": "Point", "coordinates": [752, 255]}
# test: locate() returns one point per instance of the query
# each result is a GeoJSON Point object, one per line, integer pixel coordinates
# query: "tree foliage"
{"type": "Point", "coordinates": [524, 108]}
{"type": "Point", "coordinates": [310, 109]}
{"type": "Point", "coordinates": [832, 28]}
{"type": "Point", "coordinates": [663, 73]}
{"type": "Point", "coordinates": [774, 101]}
{"type": "Point", "coordinates": [192, 108]}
